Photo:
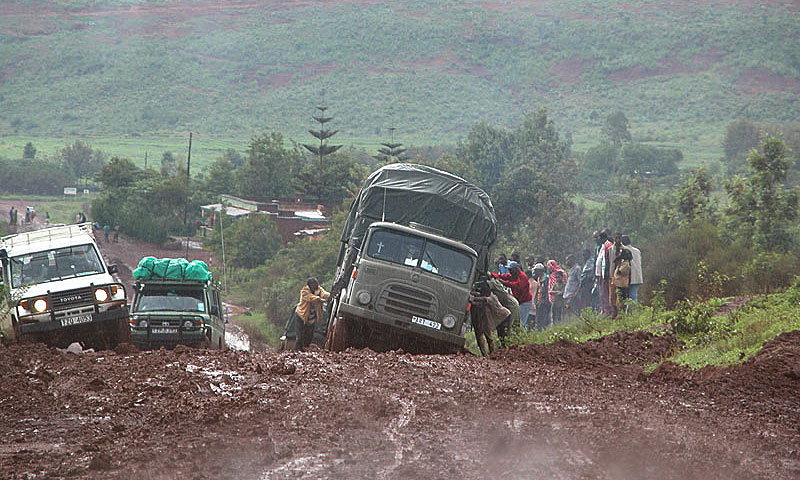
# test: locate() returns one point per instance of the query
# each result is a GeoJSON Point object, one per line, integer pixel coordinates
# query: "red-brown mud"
{"type": "Point", "coordinates": [559, 411]}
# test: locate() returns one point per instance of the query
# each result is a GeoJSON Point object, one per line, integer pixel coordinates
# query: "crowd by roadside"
{"type": "Point", "coordinates": [606, 279]}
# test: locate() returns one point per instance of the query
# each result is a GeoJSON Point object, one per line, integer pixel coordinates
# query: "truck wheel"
{"type": "Point", "coordinates": [124, 334]}
{"type": "Point", "coordinates": [336, 340]}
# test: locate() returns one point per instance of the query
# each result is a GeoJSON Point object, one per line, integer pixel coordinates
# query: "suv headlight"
{"type": "Point", "coordinates": [449, 321]}
{"type": "Point", "coordinates": [39, 305]}
{"type": "Point", "coordinates": [100, 294]}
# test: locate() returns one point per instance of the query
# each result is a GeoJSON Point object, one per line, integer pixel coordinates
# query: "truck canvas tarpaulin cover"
{"type": "Point", "coordinates": [404, 193]}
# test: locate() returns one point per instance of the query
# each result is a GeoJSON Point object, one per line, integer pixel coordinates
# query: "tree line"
{"type": "Point", "coordinates": [740, 227]}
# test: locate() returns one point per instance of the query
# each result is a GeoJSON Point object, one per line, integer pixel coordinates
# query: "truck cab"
{"type": "Point", "coordinates": [166, 313]}
{"type": "Point", "coordinates": [409, 288]}
{"type": "Point", "coordinates": [60, 289]}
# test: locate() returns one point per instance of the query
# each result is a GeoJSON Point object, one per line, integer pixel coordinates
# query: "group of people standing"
{"type": "Point", "coordinates": [546, 292]}
{"type": "Point", "coordinates": [30, 215]}
{"type": "Point", "coordinates": [617, 271]}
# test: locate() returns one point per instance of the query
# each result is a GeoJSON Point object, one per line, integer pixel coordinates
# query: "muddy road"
{"type": "Point", "coordinates": [559, 411]}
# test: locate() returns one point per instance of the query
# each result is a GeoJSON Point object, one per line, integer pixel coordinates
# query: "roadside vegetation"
{"type": "Point", "coordinates": [711, 335]}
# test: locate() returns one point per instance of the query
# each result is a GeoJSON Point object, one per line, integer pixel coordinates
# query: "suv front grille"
{"type": "Point", "coordinates": [406, 301]}
{"type": "Point", "coordinates": [72, 298]}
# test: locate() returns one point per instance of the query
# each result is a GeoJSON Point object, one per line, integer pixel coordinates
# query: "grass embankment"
{"type": "Point", "coordinates": [259, 329]}
{"type": "Point", "coordinates": [720, 341]}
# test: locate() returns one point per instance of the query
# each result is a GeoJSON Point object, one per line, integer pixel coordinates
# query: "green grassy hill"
{"type": "Point", "coordinates": [680, 70]}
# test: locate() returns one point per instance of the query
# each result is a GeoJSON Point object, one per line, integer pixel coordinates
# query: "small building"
{"type": "Point", "coordinates": [294, 218]}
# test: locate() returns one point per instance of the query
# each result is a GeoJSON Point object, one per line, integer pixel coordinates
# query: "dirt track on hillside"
{"type": "Point", "coordinates": [559, 411]}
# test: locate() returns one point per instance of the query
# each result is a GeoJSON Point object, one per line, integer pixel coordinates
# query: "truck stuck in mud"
{"type": "Point", "coordinates": [59, 289]}
{"type": "Point", "coordinates": [415, 240]}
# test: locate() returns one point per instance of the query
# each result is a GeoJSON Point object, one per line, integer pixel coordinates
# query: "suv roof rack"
{"type": "Point", "coordinates": [47, 234]}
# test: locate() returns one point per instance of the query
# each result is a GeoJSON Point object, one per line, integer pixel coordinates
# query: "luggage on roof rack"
{"type": "Point", "coordinates": [152, 268]}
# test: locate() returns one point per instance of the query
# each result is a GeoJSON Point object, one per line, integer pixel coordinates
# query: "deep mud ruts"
{"type": "Point", "coordinates": [559, 411]}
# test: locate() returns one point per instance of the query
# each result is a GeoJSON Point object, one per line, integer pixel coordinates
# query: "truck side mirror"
{"type": "Point", "coordinates": [113, 268]}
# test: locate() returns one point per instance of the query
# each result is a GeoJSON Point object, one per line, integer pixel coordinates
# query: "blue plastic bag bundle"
{"type": "Point", "coordinates": [197, 270]}
{"type": "Point", "coordinates": [145, 268]}
{"type": "Point", "coordinates": [171, 269]}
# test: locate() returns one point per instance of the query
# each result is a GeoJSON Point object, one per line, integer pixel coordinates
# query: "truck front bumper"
{"type": "Point", "coordinates": [154, 336]}
{"type": "Point", "coordinates": [402, 326]}
{"type": "Point", "coordinates": [95, 319]}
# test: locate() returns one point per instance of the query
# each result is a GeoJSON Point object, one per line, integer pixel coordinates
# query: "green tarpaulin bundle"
{"type": "Point", "coordinates": [171, 269]}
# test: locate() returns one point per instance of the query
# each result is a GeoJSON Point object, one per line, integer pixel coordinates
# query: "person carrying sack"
{"type": "Point", "coordinates": [309, 310]}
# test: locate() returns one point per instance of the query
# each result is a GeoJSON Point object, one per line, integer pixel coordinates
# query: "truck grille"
{"type": "Point", "coordinates": [72, 298]}
{"type": "Point", "coordinates": [406, 301]}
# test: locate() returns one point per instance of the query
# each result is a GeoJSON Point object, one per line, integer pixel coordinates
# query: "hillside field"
{"type": "Point", "coordinates": [131, 76]}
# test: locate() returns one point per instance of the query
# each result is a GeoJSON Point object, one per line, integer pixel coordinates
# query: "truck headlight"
{"type": "Point", "coordinates": [364, 297]}
{"type": "Point", "coordinates": [40, 305]}
{"type": "Point", "coordinates": [449, 321]}
{"type": "Point", "coordinates": [101, 295]}
{"type": "Point", "coordinates": [143, 324]}
{"type": "Point", "coordinates": [187, 324]}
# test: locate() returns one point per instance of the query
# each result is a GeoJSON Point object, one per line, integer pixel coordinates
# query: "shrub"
{"type": "Point", "coordinates": [691, 318]}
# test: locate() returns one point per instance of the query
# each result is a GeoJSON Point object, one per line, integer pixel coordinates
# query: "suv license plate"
{"type": "Point", "coordinates": [161, 330]}
{"type": "Point", "coordinates": [68, 321]}
{"type": "Point", "coordinates": [426, 322]}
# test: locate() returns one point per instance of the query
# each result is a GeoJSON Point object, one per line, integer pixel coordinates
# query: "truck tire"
{"type": "Point", "coordinates": [337, 338]}
{"type": "Point", "coordinates": [124, 335]}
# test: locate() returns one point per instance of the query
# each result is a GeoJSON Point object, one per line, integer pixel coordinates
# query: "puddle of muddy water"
{"type": "Point", "coordinates": [236, 339]}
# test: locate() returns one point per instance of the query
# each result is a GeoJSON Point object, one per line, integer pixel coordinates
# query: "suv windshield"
{"type": "Point", "coordinates": [163, 298]}
{"type": "Point", "coordinates": [404, 249]}
{"type": "Point", "coordinates": [56, 264]}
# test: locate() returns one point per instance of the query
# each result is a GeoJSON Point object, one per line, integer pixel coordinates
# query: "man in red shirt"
{"type": "Point", "coordinates": [517, 281]}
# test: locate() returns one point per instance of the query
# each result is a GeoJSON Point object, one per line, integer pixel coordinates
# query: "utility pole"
{"type": "Point", "coordinates": [186, 203]}
{"type": "Point", "coordinates": [145, 160]}
{"type": "Point", "coordinates": [222, 213]}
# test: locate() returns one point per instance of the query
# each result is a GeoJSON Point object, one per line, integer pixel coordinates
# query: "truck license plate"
{"type": "Point", "coordinates": [160, 330]}
{"type": "Point", "coordinates": [68, 321]}
{"type": "Point", "coordinates": [426, 322]}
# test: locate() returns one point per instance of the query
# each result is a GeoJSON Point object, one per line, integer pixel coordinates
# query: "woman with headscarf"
{"type": "Point", "coordinates": [557, 283]}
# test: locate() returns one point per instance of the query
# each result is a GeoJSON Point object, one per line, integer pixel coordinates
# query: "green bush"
{"type": "Point", "coordinates": [692, 318]}
{"type": "Point", "coordinates": [769, 271]}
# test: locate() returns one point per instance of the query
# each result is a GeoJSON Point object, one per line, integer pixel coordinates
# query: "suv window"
{"type": "Point", "coordinates": [172, 299]}
{"type": "Point", "coordinates": [52, 265]}
{"type": "Point", "coordinates": [404, 249]}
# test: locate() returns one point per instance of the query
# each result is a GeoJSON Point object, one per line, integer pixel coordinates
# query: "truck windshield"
{"type": "Point", "coordinates": [404, 249]}
{"type": "Point", "coordinates": [56, 264]}
{"type": "Point", "coordinates": [164, 298]}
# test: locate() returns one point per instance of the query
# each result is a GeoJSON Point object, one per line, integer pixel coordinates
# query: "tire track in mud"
{"type": "Point", "coordinates": [394, 432]}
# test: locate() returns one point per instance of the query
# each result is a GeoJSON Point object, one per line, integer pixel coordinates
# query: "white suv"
{"type": "Point", "coordinates": [60, 289]}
